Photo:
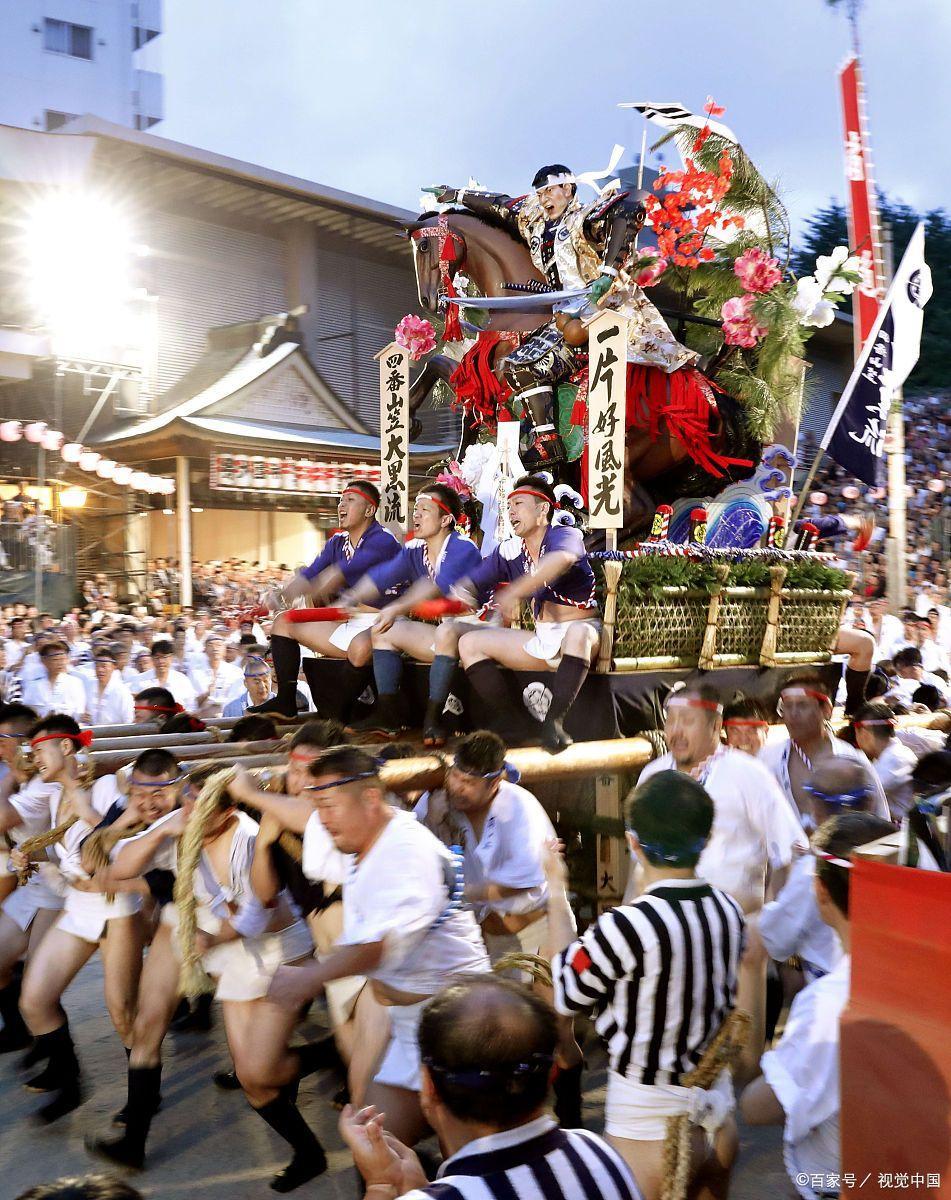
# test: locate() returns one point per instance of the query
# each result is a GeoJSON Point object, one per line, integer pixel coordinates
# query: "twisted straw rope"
{"type": "Point", "coordinates": [194, 980]}
{"type": "Point", "coordinates": [729, 1040]}
{"type": "Point", "coordinates": [532, 964]}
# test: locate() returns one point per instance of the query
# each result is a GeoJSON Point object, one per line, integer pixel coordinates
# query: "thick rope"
{"type": "Point", "coordinates": [194, 980]}
{"type": "Point", "coordinates": [532, 964]}
{"type": "Point", "coordinates": [719, 1054]}
{"type": "Point", "coordinates": [33, 845]}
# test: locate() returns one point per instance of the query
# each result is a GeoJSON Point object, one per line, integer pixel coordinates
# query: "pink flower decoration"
{"type": "Point", "coordinates": [712, 109]}
{"type": "Point", "coordinates": [740, 327]}
{"type": "Point", "coordinates": [650, 274]}
{"type": "Point", "coordinates": [757, 271]}
{"type": "Point", "coordinates": [416, 335]}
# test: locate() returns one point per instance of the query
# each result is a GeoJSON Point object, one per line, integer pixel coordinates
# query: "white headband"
{"type": "Point", "coordinates": [551, 180]}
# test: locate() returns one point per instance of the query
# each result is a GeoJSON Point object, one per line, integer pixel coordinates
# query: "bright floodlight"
{"type": "Point", "coordinates": [78, 247]}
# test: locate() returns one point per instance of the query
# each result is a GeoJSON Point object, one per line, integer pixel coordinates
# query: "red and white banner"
{"type": "Point", "coordinates": [864, 234]}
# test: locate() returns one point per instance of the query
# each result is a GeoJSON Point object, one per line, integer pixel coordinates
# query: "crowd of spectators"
{"type": "Point", "coordinates": [927, 479]}
{"type": "Point", "coordinates": [94, 662]}
{"type": "Point", "coordinates": [220, 584]}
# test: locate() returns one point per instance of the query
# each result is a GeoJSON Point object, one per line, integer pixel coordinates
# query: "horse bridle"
{"type": "Point", "coordinates": [447, 241]}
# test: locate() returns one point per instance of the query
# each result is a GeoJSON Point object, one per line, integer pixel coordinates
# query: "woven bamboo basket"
{"type": "Point", "coordinates": [660, 632]}
{"type": "Point", "coordinates": [809, 625]}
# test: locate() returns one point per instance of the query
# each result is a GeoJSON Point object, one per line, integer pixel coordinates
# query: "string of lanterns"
{"type": "Point", "coordinates": [92, 461]}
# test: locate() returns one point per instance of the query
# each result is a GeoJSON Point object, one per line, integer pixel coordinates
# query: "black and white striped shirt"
{"type": "Point", "coordinates": [537, 1161]}
{"type": "Point", "coordinates": [659, 975]}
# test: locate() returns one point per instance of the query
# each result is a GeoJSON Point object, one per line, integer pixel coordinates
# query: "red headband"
{"type": "Point", "coordinates": [528, 491]}
{"type": "Point", "coordinates": [83, 739]}
{"type": "Point", "coordinates": [158, 708]}
{"type": "Point", "coordinates": [795, 687]}
{"type": "Point", "coordinates": [354, 487]}
{"type": "Point", "coordinates": [437, 502]}
{"type": "Point", "coordinates": [876, 721]}
{"type": "Point", "coordinates": [677, 701]}
{"type": "Point", "coordinates": [753, 722]}
{"type": "Point", "coordinates": [302, 756]}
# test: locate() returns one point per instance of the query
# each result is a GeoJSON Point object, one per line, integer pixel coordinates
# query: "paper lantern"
{"type": "Point", "coordinates": [120, 475]}
{"type": "Point", "coordinates": [138, 480]}
{"type": "Point", "coordinates": [936, 485]}
{"type": "Point", "coordinates": [71, 452]}
{"type": "Point", "coordinates": [105, 468]}
{"type": "Point", "coordinates": [168, 487]}
{"type": "Point", "coordinates": [851, 492]}
{"type": "Point", "coordinates": [88, 460]}
{"type": "Point", "coordinates": [10, 431]}
{"type": "Point", "coordinates": [34, 431]}
{"type": "Point", "coordinates": [819, 498]}
{"type": "Point", "coordinates": [52, 439]}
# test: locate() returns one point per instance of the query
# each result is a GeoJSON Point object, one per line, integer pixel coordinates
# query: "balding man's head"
{"type": "Point", "coordinates": [487, 1045]}
{"type": "Point", "coordinates": [838, 785]}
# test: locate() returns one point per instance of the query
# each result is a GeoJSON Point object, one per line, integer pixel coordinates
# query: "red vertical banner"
{"type": "Point", "coordinates": [864, 235]}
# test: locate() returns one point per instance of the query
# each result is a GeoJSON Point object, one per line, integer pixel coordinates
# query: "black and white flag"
{"type": "Point", "coordinates": [674, 116]}
{"type": "Point", "coordinates": [855, 437]}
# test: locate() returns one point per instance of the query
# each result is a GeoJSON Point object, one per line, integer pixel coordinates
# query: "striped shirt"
{"type": "Point", "coordinates": [659, 976]}
{"type": "Point", "coordinates": [537, 1161]}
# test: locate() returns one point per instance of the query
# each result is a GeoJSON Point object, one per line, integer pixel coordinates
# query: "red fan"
{"type": "Point", "coordinates": [865, 530]}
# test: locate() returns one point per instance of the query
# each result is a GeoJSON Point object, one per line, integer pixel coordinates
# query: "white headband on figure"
{"type": "Point", "coordinates": [552, 180]}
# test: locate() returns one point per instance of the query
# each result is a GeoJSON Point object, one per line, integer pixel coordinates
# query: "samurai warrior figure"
{"type": "Point", "coordinates": [574, 246]}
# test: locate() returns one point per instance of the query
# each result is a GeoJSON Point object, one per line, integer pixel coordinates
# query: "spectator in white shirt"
{"type": "Point", "coordinates": [10, 685]}
{"type": "Point", "coordinates": [799, 1086]}
{"type": "Point", "coordinates": [57, 691]}
{"type": "Point", "coordinates": [17, 644]}
{"type": "Point", "coordinates": [258, 687]}
{"type": "Point", "coordinates": [216, 682]}
{"type": "Point", "coordinates": [163, 675]}
{"type": "Point", "coordinates": [108, 700]}
{"type": "Point", "coordinates": [911, 674]}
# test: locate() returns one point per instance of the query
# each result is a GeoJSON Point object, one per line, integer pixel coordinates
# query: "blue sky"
{"type": "Point", "coordinates": [380, 98]}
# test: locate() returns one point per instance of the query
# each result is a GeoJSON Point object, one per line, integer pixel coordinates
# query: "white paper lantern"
{"type": "Point", "coordinates": [34, 431]}
{"type": "Point", "coordinates": [105, 468]}
{"type": "Point", "coordinates": [851, 492]}
{"type": "Point", "coordinates": [71, 452]}
{"type": "Point", "coordinates": [936, 485]}
{"type": "Point", "coordinates": [88, 460]}
{"type": "Point", "coordinates": [52, 439]}
{"type": "Point", "coordinates": [121, 475]}
{"type": "Point", "coordinates": [169, 487]}
{"type": "Point", "coordinates": [139, 480]}
{"type": "Point", "coordinates": [819, 498]}
{"type": "Point", "coordinates": [11, 431]}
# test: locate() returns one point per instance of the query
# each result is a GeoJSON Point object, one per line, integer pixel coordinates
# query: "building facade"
{"type": "Point", "coordinates": [61, 59]}
{"type": "Point", "coordinates": [241, 362]}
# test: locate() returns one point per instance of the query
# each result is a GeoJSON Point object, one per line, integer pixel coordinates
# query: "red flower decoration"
{"type": "Point", "coordinates": [712, 109]}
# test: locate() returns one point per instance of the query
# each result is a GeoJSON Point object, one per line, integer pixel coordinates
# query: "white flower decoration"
{"type": "Point", "coordinates": [813, 310]}
{"type": "Point", "coordinates": [832, 269]}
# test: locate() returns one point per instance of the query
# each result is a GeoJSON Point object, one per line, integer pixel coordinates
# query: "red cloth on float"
{"type": "Point", "coordinates": [683, 399]}
{"type": "Point", "coordinates": [477, 387]}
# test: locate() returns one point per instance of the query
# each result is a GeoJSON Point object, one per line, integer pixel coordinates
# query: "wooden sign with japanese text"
{"type": "Point", "coordinates": [394, 436]}
{"type": "Point", "coordinates": [607, 384]}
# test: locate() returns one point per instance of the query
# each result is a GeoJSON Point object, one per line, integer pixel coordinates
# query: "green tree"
{"type": "Point", "coordinates": [827, 228]}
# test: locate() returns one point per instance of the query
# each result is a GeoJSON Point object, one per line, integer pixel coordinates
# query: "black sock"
{"type": "Point", "coordinates": [14, 1027]}
{"type": "Point", "coordinates": [855, 682]}
{"type": "Point", "coordinates": [285, 654]}
{"type": "Point", "coordinates": [491, 684]}
{"type": "Point", "coordinates": [145, 1086]}
{"type": "Point", "coordinates": [571, 674]}
{"type": "Point", "coordinates": [62, 1066]}
{"type": "Point", "coordinates": [284, 1117]}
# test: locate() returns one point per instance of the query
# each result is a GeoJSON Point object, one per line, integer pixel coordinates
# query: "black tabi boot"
{"type": "Point", "coordinates": [145, 1098]}
{"type": "Point", "coordinates": [570, 675]}
{"type": "Point", "coordinates": [309, 1161]}
{"type": "Point", "coordinates": [350, 685]}
{"type": "Point", "coordinates": [61, 1074]}
{"type": "Point", "coordinates": [14, 1035]}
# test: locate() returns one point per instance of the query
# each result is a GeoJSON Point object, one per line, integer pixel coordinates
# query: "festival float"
{"type": "Point", "coordinates": [647, 349]}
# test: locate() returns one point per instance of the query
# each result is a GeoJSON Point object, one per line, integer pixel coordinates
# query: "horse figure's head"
{"type": "Point", "coordinates": [439, 251]}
